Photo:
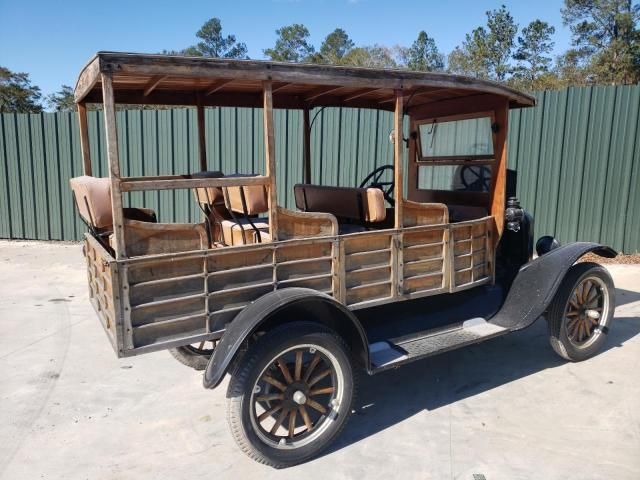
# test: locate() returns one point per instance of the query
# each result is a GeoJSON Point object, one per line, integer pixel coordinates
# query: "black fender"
{"type": "Point", "coordinates": [281, 306]}
{"type": "Point", "coordinates": [538, 281]}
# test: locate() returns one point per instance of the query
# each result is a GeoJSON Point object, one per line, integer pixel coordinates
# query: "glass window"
{"type": "Point", "coordinates": [470, 137]}
{"type": "Point", "coordinates": [457, 178]}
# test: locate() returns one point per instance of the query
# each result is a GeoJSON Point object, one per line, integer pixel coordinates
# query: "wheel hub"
{"type": "Point", "coordinates": [584, 311]}
{"type": "Point", "coordinates": [299, 397]}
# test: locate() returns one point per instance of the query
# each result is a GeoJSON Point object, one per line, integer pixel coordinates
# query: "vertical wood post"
{"type": "Point", "coordinates": [499, 176]}
{"type": "Point", "coordinates": [84, 139]}
{"type": "Point", "coordinates": [114, 163]}
{"type": "Point", "coordinates": [398, 148]}
{"type": "Point", "coordinates": [202, 138]}
{"type": "Point", "coordinates": [412, 165]}
{"type": "Point", "coordinates": [270, 154]}
{"type": "Point", "coordinates": [306, 126]}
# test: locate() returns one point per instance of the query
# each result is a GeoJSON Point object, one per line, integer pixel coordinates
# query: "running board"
{"type": "Point", "coordinates": [395, 352]}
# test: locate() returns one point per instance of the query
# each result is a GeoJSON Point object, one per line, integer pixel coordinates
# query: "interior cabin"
{"type": "Point", "coordinates": [408, 230]}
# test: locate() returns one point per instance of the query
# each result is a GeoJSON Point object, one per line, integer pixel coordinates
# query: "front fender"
{"type": "Point", "coordinates": [314, 304]}
{"type": "Point", "coordinates": [538, 281]}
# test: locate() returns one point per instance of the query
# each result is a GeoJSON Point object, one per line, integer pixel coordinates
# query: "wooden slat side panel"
{"type": "Point", "coordinates": [369, 268]}
{"type": "Point", "coordinates": [100, 268]}
{"type": "Point", "coordinates": [472, 253]}
{"type": "Point", "coordinates": [425, 260]}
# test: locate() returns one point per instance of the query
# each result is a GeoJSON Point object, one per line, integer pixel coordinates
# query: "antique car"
{"type": "Point", "coordinates": [429, 253]}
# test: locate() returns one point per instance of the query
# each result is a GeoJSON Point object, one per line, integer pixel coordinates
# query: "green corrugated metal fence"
{"type": "Point", "coordinates": [576, 155]}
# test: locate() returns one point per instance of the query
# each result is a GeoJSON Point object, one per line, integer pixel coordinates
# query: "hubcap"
{"type": "Point", "coordinates": [296, 396]}
{"type": "Point", "coordinates": [299, 397]}
{"type": "Point", "coordinates": [586, 311]}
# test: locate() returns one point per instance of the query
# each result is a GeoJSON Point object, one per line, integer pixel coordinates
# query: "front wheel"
{"type": "Point", "coordinates": [291, 394]}
{"type": "Point", "coordinates": [580, 314]}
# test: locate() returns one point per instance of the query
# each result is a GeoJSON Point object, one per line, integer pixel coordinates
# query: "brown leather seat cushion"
{"type": "Point", "coordinates": [232, 231]}
{"type": "Point", "coordinates": [208, 195]}
{"type": "Point", "coordinates": [96, 210]}
{"type": "Point", "coordinates": [364, 204]}
{"type": "Point", "coordinates": [255, 197]}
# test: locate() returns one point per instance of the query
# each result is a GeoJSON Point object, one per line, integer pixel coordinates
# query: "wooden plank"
{"type": "Point", "coordinates": [361, 93]}
{"type": "Point", "coordinates": [202, 136]}
{"type": "Point", "coordinates": [321, 92]}
{"type": "Point", "coordinates": [153, 83]}
{"type": "Point", "coordinates": [87, 79]}
{"type": "Point", "coordinates": [412, 165]}
{"type": "Point", "coordinates": [306, 130]}
{"type": "Point", "coordinates": [282, 86]}
{"type": "Point", "coordinates": [218, 85]}
{"type": "Point", "coordinates": [192, 67]}
{"type": "Point", "coordinates": [84, 139]}
{"type": "Point", "coordinates": [398, 150]}
{"type": "Point", "coordinates": [151, 183]}
{"type": "Point", "coordinates": [114, 164]}
{"type": "Point", "coordinates": [499, 174]}
{"type": "Point", "coordinates": [270, 154]}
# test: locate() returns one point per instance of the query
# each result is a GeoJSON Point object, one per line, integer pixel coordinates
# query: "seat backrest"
{"type": "Point", "coordinates": [255, 197]}
{"type": "Point", "coordinates": [93, 197]}
{"type": "Point", "coordinates": [208, 195]}
{"type": "Point", "coordinates": [364, 204]}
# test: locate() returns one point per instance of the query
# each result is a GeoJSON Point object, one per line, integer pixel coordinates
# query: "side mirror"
{"type": "Point", "coordinates": [545, 244]}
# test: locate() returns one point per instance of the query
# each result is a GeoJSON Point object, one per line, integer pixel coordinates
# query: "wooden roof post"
{"type": "Point", "coordinates": [270, 153]}
{"type": "Point", "coordinates": [306, 126]}
{"type": "Point", "coordinates": [202, 138]}
{"type": "Point", "coordinates": [398, 150]}
{"type": "Point", "coordinates": [412, 165]}
{"type": "Point", "coordinates": [84, 139]}
{"type": "Point", "coordinates": [114, 163]}
{"type": "Point", "coordinates": [499, 177]}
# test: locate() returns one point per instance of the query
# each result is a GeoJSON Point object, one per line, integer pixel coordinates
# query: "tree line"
{"type": "Point", "coordinates": [605, 49]}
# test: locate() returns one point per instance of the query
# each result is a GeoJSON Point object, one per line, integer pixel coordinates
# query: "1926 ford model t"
{"type": "Point", "coordinates": [427, 255]}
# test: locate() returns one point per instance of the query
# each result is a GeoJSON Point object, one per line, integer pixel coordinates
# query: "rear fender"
{"type": "Point", "coordinates": [538, 281]}
{"type": "Point", "coordinates": [276, 308]}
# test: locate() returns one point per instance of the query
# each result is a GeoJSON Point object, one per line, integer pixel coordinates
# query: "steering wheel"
{"type": "Point", "coordinates": [475, 178]}
{"type": "Point", "coordinates": [373, 180]}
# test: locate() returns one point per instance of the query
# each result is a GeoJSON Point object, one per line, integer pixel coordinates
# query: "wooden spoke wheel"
{"type": "Point", "coordinates": [581, 312]}
{"type": "Point", "coordinates": [195, 355]}
{"type": "Point", "coordinates": [290, 394]}
{"type": "Point", "coordinates": [295, 394]}
{"type": "Point", "coordinates": [584, 311]}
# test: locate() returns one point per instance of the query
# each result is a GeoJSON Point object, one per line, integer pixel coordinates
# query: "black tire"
{"type": "Point", "coordinates": [561, 325]}
{"type": "Point", "coordinates": [259, 362]}
{"type": "Point", "coordinates": [191, 356]}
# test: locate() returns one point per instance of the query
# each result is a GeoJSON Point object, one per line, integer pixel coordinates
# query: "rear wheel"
{"type": "Point", "coordinates": [195, 355]}
{"type": "Point", "coordinates": [291, 395]}
{"type": "Point", "coordinates": [581, 312]}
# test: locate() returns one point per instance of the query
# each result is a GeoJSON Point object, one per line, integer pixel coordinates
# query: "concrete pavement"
{"type": "Point", "coordinates": [506, 409]}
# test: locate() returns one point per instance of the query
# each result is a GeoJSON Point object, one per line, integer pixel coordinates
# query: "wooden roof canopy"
{"type": "Point", "coordinates": [179, 80]}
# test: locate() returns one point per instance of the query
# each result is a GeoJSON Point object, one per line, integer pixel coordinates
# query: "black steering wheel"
{"type": "Point", "coordinates": [475, 178]}
{"type": "Point", "coordinates": [373, 180]}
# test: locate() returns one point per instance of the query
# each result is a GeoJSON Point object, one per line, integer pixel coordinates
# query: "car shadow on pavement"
{"type": "Point", "coordinates": [390, 397]}
{"type": "Point", "coordinates": [624, 297]}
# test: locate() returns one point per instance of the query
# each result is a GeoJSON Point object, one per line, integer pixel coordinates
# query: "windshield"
{"type": "Point", "coordinates": [458, 138]}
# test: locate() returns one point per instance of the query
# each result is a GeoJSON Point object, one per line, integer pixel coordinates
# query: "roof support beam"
{"type": "Point", "coordinates": [398, 151]}
{"type": "Point", "coordinates": [320, 92]}
{"type": "Point", "coordinates": [361, 93]}
{"type": "Point", "coordinates": [153, 83]}
{"type": "Point", "coordinates": [270, 154]}
{"type": "Point", "coordinates": [280, 87]}
{"type": "Point", "coordinates": [215, 86]}
{"type": "Point", "coordinates": [84, 138]}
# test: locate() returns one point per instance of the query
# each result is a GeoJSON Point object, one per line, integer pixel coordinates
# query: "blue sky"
{"type": "Point", "coordinates": [52, 40]}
